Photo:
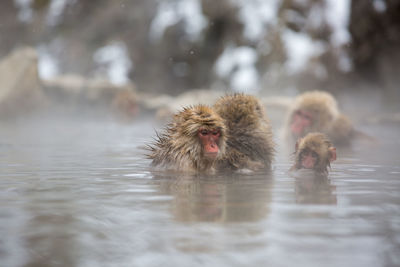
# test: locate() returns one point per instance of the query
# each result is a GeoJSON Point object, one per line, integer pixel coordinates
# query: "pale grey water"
{"type": "Point", "coordinates": [81, 193]}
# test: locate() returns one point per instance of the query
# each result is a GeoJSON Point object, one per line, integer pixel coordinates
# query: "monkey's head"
{"type": "Point", "coordinates": [314, 151]}
{"type": "Point", "coordinates": [200, 131]}
{"type": "Point", "coordinates": [240, 111]}
{"type": "Point", "coordinates": [312, 112]}
{"type": "Point", "coordinates": [124, 104]}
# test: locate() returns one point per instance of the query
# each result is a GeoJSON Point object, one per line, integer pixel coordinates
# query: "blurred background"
{"type": "Point", "coordinates": [168, 47]}
{"type": "Point", "coordinates": [76, 188]}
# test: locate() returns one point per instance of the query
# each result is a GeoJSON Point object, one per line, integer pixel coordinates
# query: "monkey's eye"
{"type": "Point", "coordinates": [204, 132]}
{"type": "Point", "coordinates": [314, 154]}
{"type": "Point", "coordinates": [306, 116]}
{"type": "Point", "coordinates": [215, 133]}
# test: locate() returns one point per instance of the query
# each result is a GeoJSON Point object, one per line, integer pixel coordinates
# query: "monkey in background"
{"type": "Point", "coordinates": [317, 111]}
{"type": "Point", "coordinates": [193, 142]}
{"type": "Point", "coordinates": [314, 152]}
{"type": "Point", "coordinates": [249, 142]}
{"type": "Point", "coordinates": [124, 105]}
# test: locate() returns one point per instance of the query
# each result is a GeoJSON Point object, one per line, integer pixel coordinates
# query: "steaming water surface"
{"type": "Point", "coordinates": [79, 193]}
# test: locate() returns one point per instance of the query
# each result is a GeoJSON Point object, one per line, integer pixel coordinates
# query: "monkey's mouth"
{"type": "Point", "coordinates": [297, 130]}
{"type": "Point", "coordinates": [309, 167]}
{"type": "Point", "coordinates": [211, 155]}
{"type": "Point", "coordinates": [308, 163]}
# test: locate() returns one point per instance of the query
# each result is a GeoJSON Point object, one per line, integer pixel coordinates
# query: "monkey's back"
{"type": "Point", "coordinates": [249, 142]}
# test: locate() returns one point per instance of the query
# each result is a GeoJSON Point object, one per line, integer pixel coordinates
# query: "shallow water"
{"type": "Point", "coordinates": [80, 193]}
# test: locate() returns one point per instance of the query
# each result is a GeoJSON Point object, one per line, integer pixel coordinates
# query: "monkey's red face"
{"type": "Point", "coordinates": [209, 140]}
{"type": "Point", "coordinates": [308, 159]}
{"type": "Point", "coordinates": [300, 121]}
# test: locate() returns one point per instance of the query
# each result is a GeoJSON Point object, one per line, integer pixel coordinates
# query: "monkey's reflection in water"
{"type": "Point", "coordinates": [236, 198]}
{"type": "Point", "coordinates": [313, 188]}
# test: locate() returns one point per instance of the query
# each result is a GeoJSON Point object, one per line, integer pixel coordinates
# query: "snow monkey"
{"type": "Point", "coordinates": [249, 136]}
{"type": "Point", "coordinates": [125, 105]}
{"type": "Point", "coordinates": [192, 142]}
{"type": "Point", "coordinates": [317, 111]}
{"type": "Point", "coordinates": [315, 152]}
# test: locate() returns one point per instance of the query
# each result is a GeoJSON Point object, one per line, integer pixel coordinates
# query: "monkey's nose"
{"type": "Point", "coordinates": [211, 148]}
{"type": "Point", "coordinates": [308, 162]}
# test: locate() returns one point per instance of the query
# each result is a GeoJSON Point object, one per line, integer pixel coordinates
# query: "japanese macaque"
{"type": "Point", "coordinates": [314, 152]}
{"type": "Point", "coordinates": [317, 111]}
{"type": "Point", "coordinates": [124, 105]}
{"type": "Point", "coordinates": [249, 135]}
{"type": "Point", "coordinates": [193, 142]}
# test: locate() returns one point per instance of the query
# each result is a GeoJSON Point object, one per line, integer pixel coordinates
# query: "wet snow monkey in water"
{"type": "Point", "coordinates": [192, 142]}
{"type": "Point", "coordinates": [249, 135]}
{"type": "Point", "coordinates": [317, 111]}
{"type": "Point", "coordinates": [315, 152]}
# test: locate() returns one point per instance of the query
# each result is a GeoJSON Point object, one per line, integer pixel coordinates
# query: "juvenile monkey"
{"type": "Point", "coordinates": [314, 152]}
{"type": "Point", "coordinates": [192, 142]}
{"type": "Point", "coordinates": [249, 135]}
{"type": "Point", "coordinates": [317, 111]}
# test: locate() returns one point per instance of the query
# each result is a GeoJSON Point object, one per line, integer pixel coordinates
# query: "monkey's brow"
{"type": "Point", "coordinates": [210, 124]}
{"type": "Point", "coordinates": [305, 150]}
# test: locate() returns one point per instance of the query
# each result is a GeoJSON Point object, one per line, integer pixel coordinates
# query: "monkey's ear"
{"type": "Point", "coordinates": [332, 153]}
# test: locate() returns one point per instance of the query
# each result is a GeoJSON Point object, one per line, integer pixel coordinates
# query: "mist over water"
{"type": "Point", "coordinates": [80, 192]}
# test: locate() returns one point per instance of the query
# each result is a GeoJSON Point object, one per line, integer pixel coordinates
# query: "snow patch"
{"type": "Point", "coordinates": [380, 5]}
{"type": "Point", "coordinates": [337, 14]}
{"type": "Point", "coordinates": [56, 10]}
{"type": "Point", "coordinates": [237, 64]}
{"type": "Point", "coordinates": [300, 48]}
{"type": "Point", "coordinates": [114, 62]}
{"type": "Point", "coordinates": [48, 65]}
{"type": "Point", "coordinates": [25, 12]}
{"type": "Point", "coordinates": [256, 15]}
{"type": "Point", "coordinates": [170, 13]}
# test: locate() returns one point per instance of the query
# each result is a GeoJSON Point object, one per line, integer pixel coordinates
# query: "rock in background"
{"type": "Point", "coordinates": [20, 87]}
{"type": "Point", "coordinates": [78, 95]}
{"type": "Point", "coordinates": [23, 93]}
